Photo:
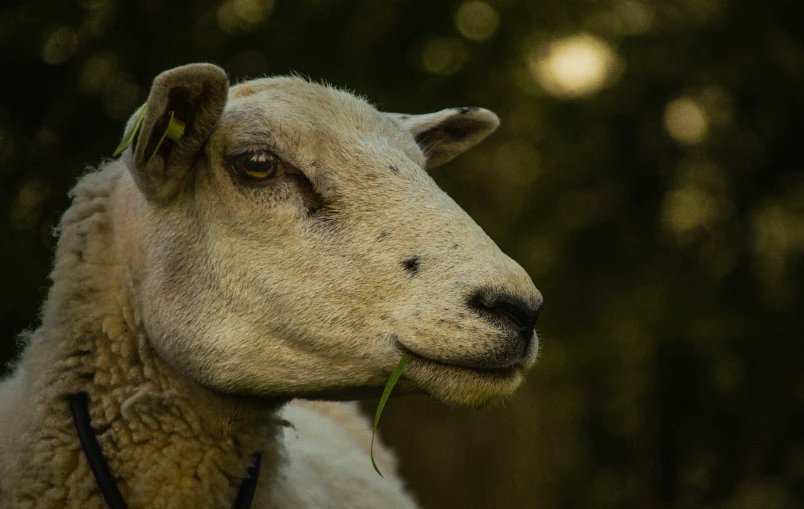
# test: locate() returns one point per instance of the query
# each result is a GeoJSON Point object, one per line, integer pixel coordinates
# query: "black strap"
{"type": "Point", "coordinates": [79, 404]}
{"type": "Point", "coordinates": [246, 492]}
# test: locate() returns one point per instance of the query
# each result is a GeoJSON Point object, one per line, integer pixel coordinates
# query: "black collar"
{"type": "Point", "coordinates": [79, 403]}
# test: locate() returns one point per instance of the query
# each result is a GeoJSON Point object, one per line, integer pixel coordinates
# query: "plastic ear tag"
{"type": "Point", "coordinates": [174, 131]}
{"type": "Point", "coordinates": [128, 138]}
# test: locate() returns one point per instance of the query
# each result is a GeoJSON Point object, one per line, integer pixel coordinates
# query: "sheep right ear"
{"type": "Point", "coordinates": [164, 137]}
{"type": "Point", "coordinates": [447, 133]}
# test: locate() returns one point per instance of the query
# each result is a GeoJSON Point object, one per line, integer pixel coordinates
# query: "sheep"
{"type": "Point", "coordinates": [277, 240]}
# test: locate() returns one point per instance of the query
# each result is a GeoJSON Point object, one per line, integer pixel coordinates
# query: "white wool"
{"type": "Point", "coordinates": [337, 432]}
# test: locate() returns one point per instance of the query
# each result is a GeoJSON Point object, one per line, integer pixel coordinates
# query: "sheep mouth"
{"type": "Point", "coordinates": [491, 374]}
{"type": "Point", "coordinates": [459, 384]}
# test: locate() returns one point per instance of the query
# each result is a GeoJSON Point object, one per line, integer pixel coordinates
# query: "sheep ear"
{"type": "Point", "coordinates": [448, 133]}
{"type": "Point", "coordinates": [168, 131]}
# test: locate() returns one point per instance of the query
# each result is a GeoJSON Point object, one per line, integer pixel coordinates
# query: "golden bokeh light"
{"type": "Point", "coordinates": [690, 208]}
{"type": "Point", "coordinates": [476, 20]}
{"type": "Point", "coordinates": [686, 121]}
{"type": "Point", "coordinates": [443, 56]}
{"type": "Point", "coordinates": [242, 16]}
{"type": "Point", "coordinates": [778, 232]}
{"type": "Point", "coordinates": [60, 46]}
{"type": "Point", "coordinates": [574, 66]}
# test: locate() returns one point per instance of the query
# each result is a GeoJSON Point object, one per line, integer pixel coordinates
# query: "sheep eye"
{"type": "Point", "coordinates": [261, 165]}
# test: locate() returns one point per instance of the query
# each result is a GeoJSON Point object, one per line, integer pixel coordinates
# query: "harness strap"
{"type": "Point", "coordinates": [79, 404]}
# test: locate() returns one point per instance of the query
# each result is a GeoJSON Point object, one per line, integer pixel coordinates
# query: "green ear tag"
{"type": "Point", "coordinates": [385, 394]}
{"type": "Point", "coordinates": [174, 131]}
{"type": "Point", "coordinates": [128, 138]}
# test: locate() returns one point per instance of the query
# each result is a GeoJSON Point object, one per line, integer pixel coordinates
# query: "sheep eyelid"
{"type": "Point", "coordinates": [232, 157]}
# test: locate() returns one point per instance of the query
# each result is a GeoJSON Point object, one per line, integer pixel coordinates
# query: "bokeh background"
{"type": "Point", "coordinates": [647, 174]}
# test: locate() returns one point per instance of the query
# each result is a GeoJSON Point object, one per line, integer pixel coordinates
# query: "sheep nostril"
{"type": "Point", "coordinates": [523, 317]}
{"type": "Point", "coordinates": [507, 309]}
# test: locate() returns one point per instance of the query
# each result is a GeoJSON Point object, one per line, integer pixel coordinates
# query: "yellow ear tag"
{"type": "Point", "coordinates": [128, 138]}
{"type": "Point", "coordinates": [174, 131]}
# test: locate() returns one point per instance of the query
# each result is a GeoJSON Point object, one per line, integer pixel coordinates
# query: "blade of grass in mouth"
{"type": "Point", "coordinates": [385, 394]}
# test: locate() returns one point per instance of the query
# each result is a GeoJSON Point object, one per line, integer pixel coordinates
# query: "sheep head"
{"type": "Point", "coordinates": [290, 243]}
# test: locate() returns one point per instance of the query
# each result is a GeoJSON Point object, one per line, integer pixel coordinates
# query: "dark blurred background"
{"type": "Point", "coordinates": [647, 173]}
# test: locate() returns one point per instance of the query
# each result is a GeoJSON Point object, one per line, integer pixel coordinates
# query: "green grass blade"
{"type": "Point", "coordinates": [385, 394]}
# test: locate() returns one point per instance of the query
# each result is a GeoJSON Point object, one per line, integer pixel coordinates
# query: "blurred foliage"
{"type": "Point", "coordinates": [648, 174]}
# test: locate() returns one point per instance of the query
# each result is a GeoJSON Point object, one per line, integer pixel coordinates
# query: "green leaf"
{"type": "Point", "coordinates": [385, 394]}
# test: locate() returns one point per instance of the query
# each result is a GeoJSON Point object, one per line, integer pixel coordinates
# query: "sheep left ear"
{"type": "Point", "coordinates": [164, 138]}
{"type": "Point", "coordinates": [447, 133]}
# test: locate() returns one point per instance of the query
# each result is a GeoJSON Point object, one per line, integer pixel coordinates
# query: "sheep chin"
{"type": "Point", "coordinates": [463, 386]}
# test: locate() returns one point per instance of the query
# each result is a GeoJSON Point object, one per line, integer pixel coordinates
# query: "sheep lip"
{"type": "Point", "coordinates": [497, 373]}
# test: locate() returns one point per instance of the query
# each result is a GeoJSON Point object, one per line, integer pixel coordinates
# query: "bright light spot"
{"type": "Point", "coordinates": [60, 46]}
{"type": "Point", "coordinates": [477, 20]}
{"type": "Point", "coordinates": [443, 56]}
{"type": "Point", "coordinates": [574, 66]}
{"type": "Point", "coordinates": [686, 121]}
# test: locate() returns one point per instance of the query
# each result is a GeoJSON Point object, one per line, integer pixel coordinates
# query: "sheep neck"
{"type": "Point", "coordinates": [152, 424]}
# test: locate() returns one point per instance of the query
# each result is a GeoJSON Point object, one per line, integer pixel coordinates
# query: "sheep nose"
{"type": "Point", "coordinates": [507, 311]}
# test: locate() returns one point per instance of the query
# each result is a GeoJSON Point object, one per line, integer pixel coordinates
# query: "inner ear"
{"type": "Point", "coordinates": [443, 135]}
{"type": "Point", "coordinates": [179, 112]}
{"type": "Point", "coordinates": [427, 140]}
